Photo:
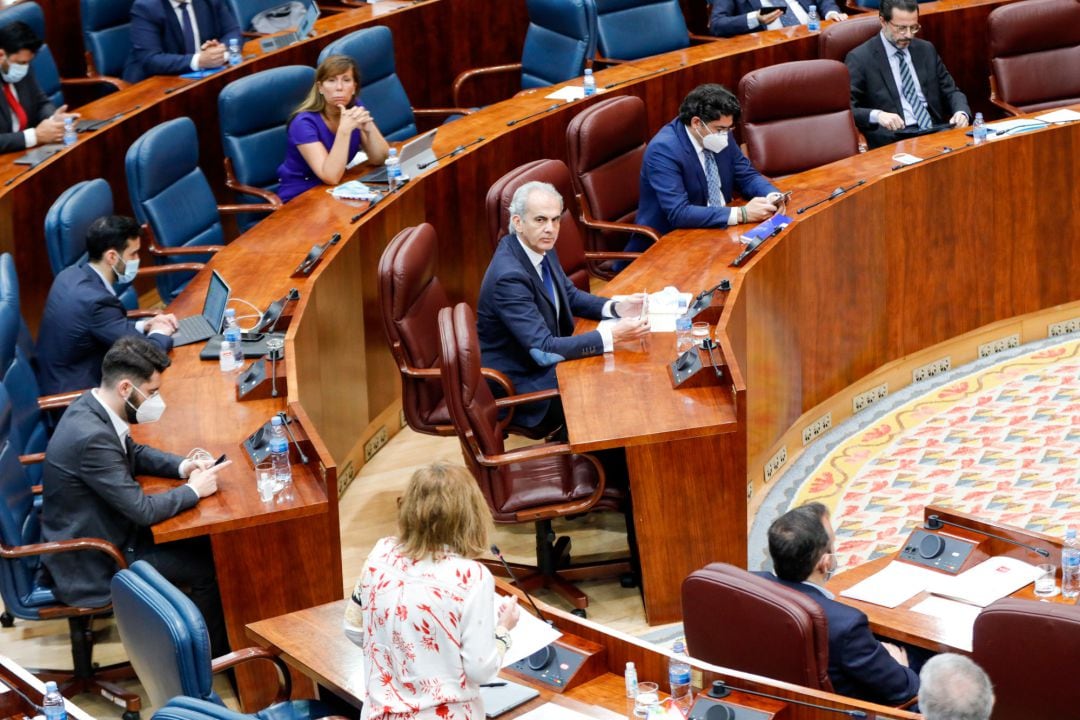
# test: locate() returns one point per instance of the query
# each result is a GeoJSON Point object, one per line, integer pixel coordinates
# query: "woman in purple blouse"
{"type": "Point", "coordinates": [327, 129]}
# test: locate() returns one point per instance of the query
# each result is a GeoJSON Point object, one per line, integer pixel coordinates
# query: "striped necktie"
{"type": "Point", "coordinates": [189, 31]}
{"type": "Point", "coordinates": [907, 81]}
{"type": "Point", "coordinates": [712, 179]}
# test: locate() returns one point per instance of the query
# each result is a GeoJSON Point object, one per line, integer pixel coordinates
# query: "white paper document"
{"type": "Point", "coordinates": [528, 636]}
{"type": "Point", "coordinates": [568, 93]}
{"type": "Point", "coordinates": [957, 615]}
{"type": "Point", "coordinates": [551, 711]}
{"type": "Point", "coordinates": [1005, 128]}
{"type": "Point", "coordinates": [1059, 116]}
{"type": "Point", "coordinates": [897, 583]}
{"type": "Point", "coordinates": [988, 581]}
{"type": "Point", "coordinates": [665, 307]}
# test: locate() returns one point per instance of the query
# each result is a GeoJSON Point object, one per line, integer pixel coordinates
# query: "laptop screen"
{"type": "Point", "coordinates": [217, 297]}
{"type": "Point", "coordinates": [308, 23]}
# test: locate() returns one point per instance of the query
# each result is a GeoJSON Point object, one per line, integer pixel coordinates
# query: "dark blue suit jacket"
{"type": "Point", "coordinates": [674, 193]}
{"type": "Point", "coordinates": [34, 102]}
{"type": "Point", "coordinates": [81, 321]}
{"type": "Point", "coordinates": [728, 17]}
{"type": "Point", "coordinates": [859, 666]}
{"type": "Point", "coordinates": [157, 40]}
{"type": "Point", "coordinates": [519, 333]}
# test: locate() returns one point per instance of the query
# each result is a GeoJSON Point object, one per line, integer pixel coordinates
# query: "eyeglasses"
{"type": "Point", "coordinates": [905, 29]}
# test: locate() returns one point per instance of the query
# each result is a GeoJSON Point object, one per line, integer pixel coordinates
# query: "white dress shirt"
{"type": "Point", "coordinates": [29, 134]}
{"type": "Point", "coordinates": [179, 10]}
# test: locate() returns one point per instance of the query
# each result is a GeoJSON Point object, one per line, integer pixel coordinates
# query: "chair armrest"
{"type": "Point", "coordinates": [523, 398]}
{"type": "Point", "coordinates": [533, 452]}
{"type": "Point", "coordinates": [236, 186]}
{"type": "Point", "coordinates": [420, 373]}
{"type": "Point", "coordinates": [499, 378]}
{"type": "Point", "coordinates": [185, 250]}
{"type": "Point", "coordinates": [32, 459]}
{"type": "Point", "coordinates": [153, 270]}
{"type": "Point", "coordinates": [612, 255]}
{"type": "Point", "coordinates": [140, 314]}
{"type": "Point", "coordinates": [241, 208]}
{"type": "Point", "coordinates": [59, 400]}
{"type": "Point", "coordinates": [1011, 109]}
{"type": "Point", "coordinates": [464, 77]}
{"type": "Point", "coordinates": [236, 657]}
{"type": "Point", "coordinates": [600, 60]}
{"type": "Point", "coordinates": [702, 39]}
{"type": "Point", "coordinates": [589, 221]}
{"type": "Point", "coordinates": [436, 112]}
{"type": "Point", "coordinates": [94, 80]}
{"type": "Point", "coordinates": [62, 546]}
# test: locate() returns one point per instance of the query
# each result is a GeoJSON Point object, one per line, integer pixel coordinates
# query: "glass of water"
{"type": "Point", "coordinates": [264, 480]}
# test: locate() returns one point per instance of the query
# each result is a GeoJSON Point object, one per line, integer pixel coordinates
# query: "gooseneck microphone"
{"type": "Point", "coordinates": [832, 196]}
{"type": "Point", "coordinates": [944, 151]}
{"type": "Point", "coordinates": [453, 153]}
{"type": "Point", "coordinates": [721, 689]}
{"type": "Point", "coordinates": [542, 657]}
{"type": "Point", "coordinates": [511, 123]}
{"type": "Point", "coordinates": [285, 423]}
{"type": "Point", "coordinates": [639, 77]}
{"type": "Point", "coordinates": [935, 523]}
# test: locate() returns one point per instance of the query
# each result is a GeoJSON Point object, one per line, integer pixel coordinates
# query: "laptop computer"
{"type": "Point", "coordinates": [203, 327]}
{"type": "Point", "coordinates": [302, 31]}
{"type": "Point", "coordinates": [912, 131]}
{"type": "Point", "coordinates": [414, 153]}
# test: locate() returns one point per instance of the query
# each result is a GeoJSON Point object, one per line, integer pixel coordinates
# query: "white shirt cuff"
{"type": "Point", "coordinates": [605, 336]}
{"type": "Point", "coordinates": [195, 62]}
{"type": "Point", "coordinates": [833, 15]}
{"type": "Point", "coordinates": [753, 19]}
{"type": "Point", "coordinates": [30, 135]}
{"type": "Point", "coordinates": [180, 470]}
{"type": "Point", "coordinates": [608, 310]}
{"type": "Point", "coordinates": [140, 326]}
{"type": "Point", "coordinates": [733, 216]}
{"type": "Point", "coordinates": [874, 116]}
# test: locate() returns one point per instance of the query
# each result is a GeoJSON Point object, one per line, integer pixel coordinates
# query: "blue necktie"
{"type": "Point", "coordinates": [189, 32]}
{"type": "Point", "coordinates": [788, 18]}
{"type": "Point", "coordinates": [712, 179]}
{"type": "Point", "coordinates": [545, 274]}
{"type": "Point", "coordinates": [922, 117]}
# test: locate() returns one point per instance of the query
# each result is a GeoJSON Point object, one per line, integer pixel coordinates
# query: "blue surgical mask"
{"type": "Point", "coordinates": [15, 72]}
{"type": "Point", "coordinates": [131, 269]}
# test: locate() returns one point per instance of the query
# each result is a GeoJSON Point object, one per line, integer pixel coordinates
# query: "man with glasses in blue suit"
{"type": "Point", "coordinates": [172, 37]}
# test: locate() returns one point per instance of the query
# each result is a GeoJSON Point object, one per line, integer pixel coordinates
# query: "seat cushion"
{"type": "Point", "coordinates": [545, 481]}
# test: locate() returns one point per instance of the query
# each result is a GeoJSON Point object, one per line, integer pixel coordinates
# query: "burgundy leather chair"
{"type": "Point", "coordinates": [838, 39]}
{"type": "Point", "coordinates": [738, 620]}
{"type": "Point", "coordinates": [606, 143]}
{"type": "Point", "coordinates": [532, 484]}
{"type": "Point", "coordinates": [785, 105]}
{"type": "Point", "coordinates": [1034, 55]}
{"type": "Point", "coordinates": [1024, 645]}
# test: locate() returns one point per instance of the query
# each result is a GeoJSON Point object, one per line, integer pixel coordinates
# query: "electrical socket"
{"type": "Point", "coordinates": [930, 370]}
{"type": "Point", "coordinates": [1063, 328]}
{"type": "Point", "coordinates": [865, 399]}
{"type": "Point", "coordinates": [401, 418]}
{"type": "Point", "coordinates": [375, 444]}
{"type": "Point", "coordinates": [995, 346]}
{"type": "Point", "coordinates": [749, 491]}
{"type": "Point", "coordinates": [775, 463]}
{"type": "Point", "coordinates": [812, 431]}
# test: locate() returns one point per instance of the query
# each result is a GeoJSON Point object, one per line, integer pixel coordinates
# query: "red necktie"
{"type": "Point", "coordinates": [13, 101]}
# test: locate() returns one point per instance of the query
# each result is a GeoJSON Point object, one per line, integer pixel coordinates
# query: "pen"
{"type": "Point", "coordinates": [494, 684]}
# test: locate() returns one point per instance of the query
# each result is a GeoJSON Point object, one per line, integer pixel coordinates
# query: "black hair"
{"type": "Point", "coordinates": [797, 541]}
{"type": "Point", "coordinates": [111, 232]}
{"type": "Point", "coordinates": [132, 357]}
{"type": "Point", "coordinates": [709, 102]}
{"type": "Point", "coordinates": [18, 36]}
{"type": "Point", "coordinates": [887, 6]}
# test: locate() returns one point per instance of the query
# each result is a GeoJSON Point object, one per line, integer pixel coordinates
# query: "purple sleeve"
{"type": "Point", "coordinates": [304, 130]}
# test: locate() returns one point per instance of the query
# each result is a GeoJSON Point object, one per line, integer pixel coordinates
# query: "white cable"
{"type": "Point", "coordinates": [258, 315]}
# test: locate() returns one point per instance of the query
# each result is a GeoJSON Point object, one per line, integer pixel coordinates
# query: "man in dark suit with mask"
{"type": "Point", "coordinates": [172, 37]}
{"type": "Point", "coordinates": [89, 489]}
{"type": "Point", "coordinates": [728, 18]}
{"type": "Point", "coordinates": [27, 117]}
{"type": "Point", "coordinates": [899, 85]}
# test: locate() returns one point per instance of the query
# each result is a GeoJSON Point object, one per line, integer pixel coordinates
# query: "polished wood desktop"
{"type": "Point", "coordinates": [933, 633]}
{"type": "Point", "coordinates": [21, 694]}
{"type": "Point", "coordinates": [313, 643]}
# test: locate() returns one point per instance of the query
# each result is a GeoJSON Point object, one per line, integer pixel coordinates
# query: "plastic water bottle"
{"type": "Point", "coordinates": [630, 676]}
{"type": "Point", "coordinates": [684, 339]}
{"type": "Point", "coordinates": [53, 704]}
{"type": "Point", "coordinates": [978, 129]}
{"type": "Point", "coordinates": [814, 22]}
{"type": "Point", "coordinates": [230, 356]}
{"type": "Point", "coordinates": [234, 52]}
{"type": "Point", "coordinates": [1070, 565]}
{"type": "Point", "coordinates": [679, 678]}
{"type": "Point", "coordinates": [589, 83]}
{"type": "Point", "coordinates": [393, 170]}
{"type": "Point", "coordinates": [69, 132]}
{"type": "Point", "coordinates": [279, 454]}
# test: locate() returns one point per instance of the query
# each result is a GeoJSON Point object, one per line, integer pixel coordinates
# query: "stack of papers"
{"type": "Point", "coordinates": [1059, 116]}
{"type": "Point", "coordinates": [529, 635]}
{"type": "Point", "coordinates": [988, 581]}
{"type": "Point", "coordinates": [665, 307]}
{"type": "Point", "coordinates": [896, 584]}
{"type": "Point", "coordinates": [958, 617]}
{"type": "Point", "coordinates": [1011, 127]}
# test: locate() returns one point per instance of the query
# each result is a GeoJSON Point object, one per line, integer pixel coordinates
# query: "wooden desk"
{"type": "Point", "coordinates": [312, 642]}
{"type": "Point", "coordinates": [16, 682]}
{"type": "Point", "coordinates": [903, 624]}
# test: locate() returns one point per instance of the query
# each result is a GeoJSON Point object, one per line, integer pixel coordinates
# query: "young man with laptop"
{"type": "Point", "coordinates": [83, 316]}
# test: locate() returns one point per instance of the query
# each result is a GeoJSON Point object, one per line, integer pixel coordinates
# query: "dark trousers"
{"type": "Point", "coordinates": [189, 564]}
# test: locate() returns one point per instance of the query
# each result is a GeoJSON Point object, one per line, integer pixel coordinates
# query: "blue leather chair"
{"type": "Point", "coordinates": [620, 30]}
{"type": "Point", "coordinates": [381, 90]}
{"type": "Point", "coordinates": [246, 10]}
{"type": "Point", "coordinates": [107, 35]}
{"type": "Point", "coordinates": [254, 142]}
{"type": "Point", "coordinates": [172, 197]}
{"type": "Point", "coordinates": [559, 43]}
{"type": "Point", "coordinates": [26, 598]}
{"type": "Point", "coordinates": [185, 708]}
{"type": "Point", "coordinates": [165, 636]}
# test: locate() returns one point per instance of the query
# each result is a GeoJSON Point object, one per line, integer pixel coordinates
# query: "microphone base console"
{"type": "Point", "coordinates": [576, 661]}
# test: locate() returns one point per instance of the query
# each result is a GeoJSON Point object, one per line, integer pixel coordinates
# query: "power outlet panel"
{"type": "Point", "coordinates": [1000, 345]}
{"type": "Point", "coordinates": [775, 463]}
{"type": "Point", "coordinates": [865, 399]}
{"type": "Point", "coordinates": [814, 430]}
{"type": "Point", "coordinates": [375, 444]}
{"type": "Point", "coordinates": [930, 370]}
{"type": "Point", "coordinates": [1063, 328]}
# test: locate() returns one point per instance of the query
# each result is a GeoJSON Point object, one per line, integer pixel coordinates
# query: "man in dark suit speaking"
{"type": "Point", "coordinates": [899, 83]}
{"type": "Point", "coordinates": [801, 543]}
{"type": "Point", "coordinates": [90, 490]}
{"type": "Point", "coordinates": [527, 306]}
{"type": "Point", "coordinates": [27, 117]}
{"type": "Point", "coordinates": [172, 37]}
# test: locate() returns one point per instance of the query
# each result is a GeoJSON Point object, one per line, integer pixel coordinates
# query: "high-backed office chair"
{"type": "Point", "coordinates": [255, 142]}
{"type": "Point", "coordinates": [606, 144]}
{"type": "Point", "coordinates": [25, 597]}
{"type": "Point", "coordinates": [1024, 644]}
{"type": "Point", "coordinates": [738, 620]}
{"type": "Point", "coordinates": [381, 90]}
{"type": "Point", "coordinates": [838, 39]}
{"type": "Point", "coordinates": [783, 105]}
{"type": "Point", "coordinates": [172, 198]}
{"type": "Point", "coordinates": [107, 34]}
{"type": "Point", "coordinates": [559, 42]}
{"type": "Point", "coordinates": [633, 29]}
{"type": "Point", "coordinates": [186, 708]}
{"type": "Point", "coordinates": [165, 636]}
{"type": "Point", "coordinates": [533, 484]}
{"type": "Point", "coordinates": [410, 297]}
{"type": "Point", "coordinates": [1034, 55]}
{"type": "Point", "coordinates": [44, 64]}
{"type": "Point", "coordinates": [570, 244]}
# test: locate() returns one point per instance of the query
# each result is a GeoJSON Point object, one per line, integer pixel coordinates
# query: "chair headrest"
{"type": "Point", "coordinates": [1033, 26]}
{"type": "Point", "coordinates": [765, 94]}
{"type": "Point", "coordinates": [607, 130]}
{"type": "Point", "coordinates": [26, 12]}
{"type": "Point", "coordinates": [274, 93]}
{"type": "Point", "coordinates": [70, 217]}
{"type": "Point", "coordinates": [161, 156]}
{"type": "Point", "coordinates": [838, 39]}
{"type": "Point", "coordinates": [104, 14]}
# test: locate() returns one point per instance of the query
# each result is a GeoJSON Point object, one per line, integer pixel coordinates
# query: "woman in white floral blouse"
{"type": "Point", "coordinates": [424, 611]}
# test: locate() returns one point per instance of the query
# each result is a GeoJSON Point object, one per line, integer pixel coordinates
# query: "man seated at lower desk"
{"type": "Point", "coordinates": [173, 37]}
{"type": "Point", "coordinates": [90, 490]}
{"type": "Point", "coordinates": [692, 169]}
{"type": "Point", "coordinates": [525, 315]}
{"type": "Point", "coordinates": [801, 543]}
{"type": "Point", "coordinates": [27, 116]}
{"type": "Point", "coordinates": [899, 85]}
{"type": "Point", "coordinates": [736, 17]}
{"type": "Point", "coordinates": [83, 317]}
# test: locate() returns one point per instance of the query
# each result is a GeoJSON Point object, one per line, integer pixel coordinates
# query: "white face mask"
{"type": "Point", "coordinates": [151, 409]}
{"type": "Point", "coordinates": [131, 268]}
{"type": "Point", "coordinates": [715, 141]}
{"type": "Point", "coordinates": [15, 72]}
